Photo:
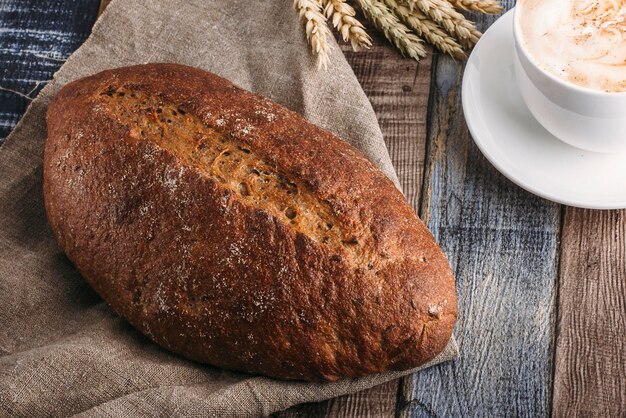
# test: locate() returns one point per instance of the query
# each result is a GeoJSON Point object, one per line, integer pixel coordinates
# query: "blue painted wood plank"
{"type": "Point", "coordinates": [35, 39]}
{"type": "Point", "coordinates": [502, 243]}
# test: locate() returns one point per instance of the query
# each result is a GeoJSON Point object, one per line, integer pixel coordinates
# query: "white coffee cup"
{"type": "Point", "coordinates": [590, 119]}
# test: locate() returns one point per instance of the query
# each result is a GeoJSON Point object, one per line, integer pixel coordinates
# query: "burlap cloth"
{"type": "Point", "coordinates": [62, 349]}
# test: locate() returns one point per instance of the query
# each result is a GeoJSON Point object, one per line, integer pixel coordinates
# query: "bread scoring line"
{"type": "Point", "coordinates": [232, 165]}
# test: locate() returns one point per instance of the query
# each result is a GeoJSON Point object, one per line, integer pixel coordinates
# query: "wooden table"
{"type": "Point", "coordinates": [542, 287]}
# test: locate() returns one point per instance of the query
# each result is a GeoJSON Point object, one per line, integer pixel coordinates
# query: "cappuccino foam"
{"type": "Point", "coordinates": [580, 41]}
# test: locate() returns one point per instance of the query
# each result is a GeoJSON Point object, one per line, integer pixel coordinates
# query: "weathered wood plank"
{"type": "Point", "coordinates": [376, 402]}
{"type": "Point", "coordinates": [305, 410]}
{"type": "Point", "coordinates": [590, 371]}
{"type": "Point", "coordinates": [103, 5]}
{"type": "Point", "coordinates": [398, 89]}
{"type": "Point", "coordinates": [502, 245]}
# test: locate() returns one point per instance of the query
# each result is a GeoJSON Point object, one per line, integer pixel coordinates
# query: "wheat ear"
{"type": "Point", "coordinates": [395, 31]}
{"type": "Point", "coordinates": [443, 13]}
{"type": "Point", "coordinates": [341, 14]}
{"type": "Point", "coordinates": [483, 6]}
{"type": "Point", "coordinates": [423, 26]}
{"type": "Point", "coordinates": [317, 30]}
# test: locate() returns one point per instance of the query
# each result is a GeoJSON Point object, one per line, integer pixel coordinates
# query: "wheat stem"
{"type": "Point", "coordinates": [483, 6]}
{"type": "Point", "coordinates": [444, 14]}
{"type": "Point", "coordinates": [317, 30]}
{"type": "Point", "coordinates": [341, 14]}
{"type": "Point", "coordinates": [423, 26]}
{"type": "Point", "coordinates": [395, 31]}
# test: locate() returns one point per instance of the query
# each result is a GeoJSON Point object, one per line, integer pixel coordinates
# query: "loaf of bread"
{"type": "Point", "coordinates": [230, 230]}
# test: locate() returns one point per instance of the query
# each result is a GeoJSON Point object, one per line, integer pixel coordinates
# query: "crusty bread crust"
{"type": "Point", "coordinates": [229, 276]}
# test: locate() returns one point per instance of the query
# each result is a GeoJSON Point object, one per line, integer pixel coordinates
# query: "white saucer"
{"type": "Point", "coordinates": [520, 148]}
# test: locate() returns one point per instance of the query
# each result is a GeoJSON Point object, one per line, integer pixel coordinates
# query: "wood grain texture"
{"type": "Point", "coordinates": [590, 370]}
{"type": "Point", "coordinates": [502, 243]}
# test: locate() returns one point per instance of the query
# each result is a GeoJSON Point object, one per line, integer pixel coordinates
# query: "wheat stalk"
{"type": "Point", "coordinates": [483, 6]}
{"type": "Point", "coordinates": [317, 30]}
{"type": "Point", "coordinates": [395, 31]}
{"type": "Point", "coordinates": [443, 13]}
{"type": "Point", "coordinates": [423, 26]}
{"type": "Point", "coordinates": [341, 14]}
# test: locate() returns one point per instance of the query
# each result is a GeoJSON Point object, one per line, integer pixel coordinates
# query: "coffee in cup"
{"type": "Point", "coordinates": [580, 41]}
{"type": "Point", "coordinates": [570, 68]}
